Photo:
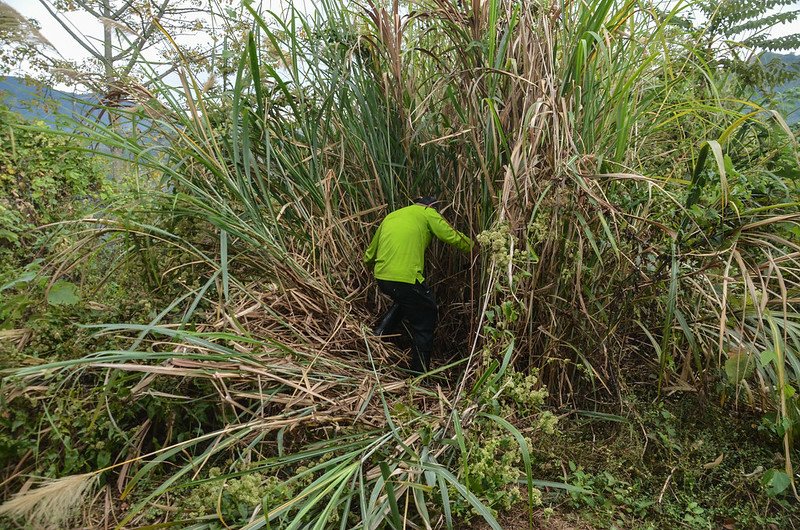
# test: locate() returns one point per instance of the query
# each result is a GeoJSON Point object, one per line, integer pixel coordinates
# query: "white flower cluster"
{"type": "Point", "coordinates": [539, 227]}
{"type": "Point", "coordinates": [521, 388]}
{"type": "Point", "coordinates": [498, 241]}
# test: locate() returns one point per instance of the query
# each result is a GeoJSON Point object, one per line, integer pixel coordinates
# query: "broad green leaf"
{"type": "Point", "coordinates": [19, 280]}
{"type": "Point", "coordinates": [739, 366]}
{"type": "Point", "coordinates": [775, 481]}
{"type": "Point", "coordinates": [766, 357]}
{"type": "Point", "coordinates": [63, 293]}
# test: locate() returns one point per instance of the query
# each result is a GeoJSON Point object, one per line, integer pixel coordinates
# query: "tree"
{"type": "Point", "coordinates": [132, 30]}
{"type": "Point", "coordinates": [737, 35]}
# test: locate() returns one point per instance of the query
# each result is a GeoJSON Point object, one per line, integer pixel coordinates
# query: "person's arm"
{"type": "Point", "coordinates": [442, 230]}
{"type": "Point", "coordinates": [372, 251]}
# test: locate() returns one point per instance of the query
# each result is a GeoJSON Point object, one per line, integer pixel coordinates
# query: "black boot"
{"type": "Point", "coordinates": [389, 320]}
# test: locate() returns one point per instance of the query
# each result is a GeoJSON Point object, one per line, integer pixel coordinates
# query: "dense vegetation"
{"type": "Point", "coordinates": [187, 343]}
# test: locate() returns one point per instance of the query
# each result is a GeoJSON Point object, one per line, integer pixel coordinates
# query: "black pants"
{"type": "Point", "coordinates": [418, 308]}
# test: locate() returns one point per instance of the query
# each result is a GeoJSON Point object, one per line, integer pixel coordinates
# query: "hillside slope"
{"type": "Point", "coordinates": [42, 102]}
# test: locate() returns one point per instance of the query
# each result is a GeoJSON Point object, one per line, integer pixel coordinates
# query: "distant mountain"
{"type": "Point", "coordinates": [38, 102]}
{"type": "Point", "coordinates": [46, 103]}
{"type": "Point", "coordinates": [61, 109]}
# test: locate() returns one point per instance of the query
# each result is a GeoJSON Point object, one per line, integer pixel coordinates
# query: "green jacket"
{"type": "Point", "coordinates": [398, 248]}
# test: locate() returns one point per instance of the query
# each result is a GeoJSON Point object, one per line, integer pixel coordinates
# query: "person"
{"type": "Point", "coordinates": [397, 254]}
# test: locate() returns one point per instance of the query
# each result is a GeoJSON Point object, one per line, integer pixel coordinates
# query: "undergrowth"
{"type": "Point", "coordinates": [678, 462]}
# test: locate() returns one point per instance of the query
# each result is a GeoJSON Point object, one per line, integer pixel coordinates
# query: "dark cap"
{"type": "Point", "coordinates": [427, 201]}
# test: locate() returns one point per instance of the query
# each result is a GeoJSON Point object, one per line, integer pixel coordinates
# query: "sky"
{"type": "Point", "coordinates": [86, 24]}
{"type": "Point", "coordinates": [91, 27]}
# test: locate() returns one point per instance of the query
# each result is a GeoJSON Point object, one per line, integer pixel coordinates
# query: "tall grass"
{"type": "Point", "coordinates": [639, 224]}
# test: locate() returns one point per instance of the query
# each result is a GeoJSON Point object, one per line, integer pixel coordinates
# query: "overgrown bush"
{"type": "Point", "coordinates": [614, 178]}
{"type": "Point", "coordinates": [44, 178]}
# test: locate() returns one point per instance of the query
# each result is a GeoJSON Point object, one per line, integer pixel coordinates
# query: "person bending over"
{"type": "Point", "coordinates": [397, 254]}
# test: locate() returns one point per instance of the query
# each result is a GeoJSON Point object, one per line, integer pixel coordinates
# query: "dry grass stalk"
{"type": "Point", "coordinates": [53, 503]}
{"type": "Point", "coordinates": [11, 21]}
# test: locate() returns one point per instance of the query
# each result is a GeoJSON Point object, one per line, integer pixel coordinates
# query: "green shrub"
{"type": "Point", "coordinates": [234, 498]}
{"type": "Point", "coordinates": [44, 178]}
